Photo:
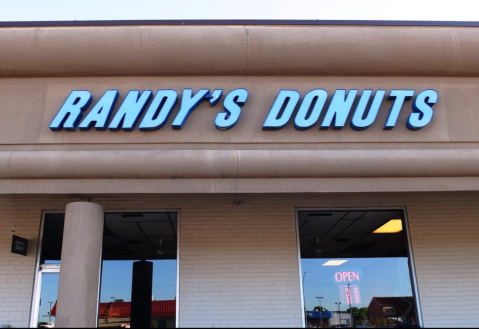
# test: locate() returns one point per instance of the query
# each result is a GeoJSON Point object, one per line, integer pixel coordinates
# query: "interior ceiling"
{"type": "Point", "coordinates": [348, 234]}
{"type": "Point", "coordinates": [126, 236]}
{"type": "Point", "coordinates": [341, 234]}
{"type": "Point", "coordinates": [133, 236]}
{"type": "Point", "coordinates": [52, 237]}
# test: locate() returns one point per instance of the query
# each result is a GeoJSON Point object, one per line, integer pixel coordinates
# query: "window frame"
{"type": "Point", "coordinates": [412, 267]}
{"type": "Point", "coordinates": [39, 271]}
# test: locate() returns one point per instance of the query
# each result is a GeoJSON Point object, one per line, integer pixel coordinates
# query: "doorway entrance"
{"type": "Point", "coordinates": [47, 278]}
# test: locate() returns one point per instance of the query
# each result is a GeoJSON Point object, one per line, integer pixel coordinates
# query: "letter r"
{"type": "Point", "coordinates": [72, 110]}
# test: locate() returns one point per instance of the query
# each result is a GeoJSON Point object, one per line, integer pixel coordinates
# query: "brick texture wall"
{"type": "Point", "coordinates": [238, 263]}
{"type": "Point", "coordinates": [17, 271]}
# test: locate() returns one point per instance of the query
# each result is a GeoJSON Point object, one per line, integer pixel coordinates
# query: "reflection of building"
{"type": "Point", "coordinates": [341, 318]}
{"type": "Point", "coordinates": [396, 308]}
{"type": "Point", "coordinates": [318, 319]}
{"type": "Point", "coordinates": [115, 314]}
{"type": "Point", "coordinates": [327, 318]}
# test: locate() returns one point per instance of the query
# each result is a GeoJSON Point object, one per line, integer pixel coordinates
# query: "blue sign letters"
{"type": "Point", "coordinates": [363, 110]}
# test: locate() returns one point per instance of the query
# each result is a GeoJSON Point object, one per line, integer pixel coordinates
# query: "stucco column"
{"type": "Point", "coordinates": [78, 289]}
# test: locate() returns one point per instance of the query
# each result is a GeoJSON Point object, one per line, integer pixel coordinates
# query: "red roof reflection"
{"type": "Point", "coordinates": [123, 309]}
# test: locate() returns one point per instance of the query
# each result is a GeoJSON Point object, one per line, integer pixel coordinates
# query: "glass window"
{"type": "Point", "coordinates": [48, 298]}
{"type": "Point", "coordinates": [44, 306]}
{"type": "Point", "coordinates": [356, 269]}
{"type": "Point", "coordinates": [138, 281]}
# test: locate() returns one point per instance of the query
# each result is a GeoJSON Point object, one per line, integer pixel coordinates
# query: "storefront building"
{"type": "Point", "coordinates": [239, 175]}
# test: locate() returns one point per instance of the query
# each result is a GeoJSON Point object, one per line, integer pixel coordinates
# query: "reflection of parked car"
{"type": "Point", "coordinates": [46, 325]}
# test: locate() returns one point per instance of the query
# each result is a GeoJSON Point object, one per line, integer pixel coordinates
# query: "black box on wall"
{"type": "Point", "coordinates": [19, 245]}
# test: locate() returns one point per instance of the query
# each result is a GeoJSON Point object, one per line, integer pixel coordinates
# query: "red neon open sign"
{"type": "Point", "coordinates": [349, 276]}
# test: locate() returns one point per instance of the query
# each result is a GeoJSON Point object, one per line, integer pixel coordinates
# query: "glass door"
{"type": "Point", "coordinates": [46, 280]}
{"type": "Point", "coordinates": [46, 297]}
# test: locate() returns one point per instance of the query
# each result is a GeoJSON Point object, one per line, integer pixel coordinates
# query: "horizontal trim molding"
{"type": "Point", "coordinates": [223, 164]}
{"type": "Point", "coordinates": [234, 186]}
{"type": "Point", "coordinates": [235, 50]}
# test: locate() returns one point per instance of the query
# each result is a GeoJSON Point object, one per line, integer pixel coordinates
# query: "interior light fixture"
{"type": "Point", "coordinates": [319, 214]}
{"type": "Point", "coordinates": [131, 215]}
{"type": "Point", "coordinates": [393, 226]}
{"type": "Point", "coordinates": [334, 262]}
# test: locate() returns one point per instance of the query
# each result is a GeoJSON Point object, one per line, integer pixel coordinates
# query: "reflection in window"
{"type": "Point", "coordinates": [138, 282]}
{"type": "Point", "coordinates": [355, 268]}
{"type": "Point", "coordinates": [48, 299]}
{"type": "Point", "coordinates": [50, 253]}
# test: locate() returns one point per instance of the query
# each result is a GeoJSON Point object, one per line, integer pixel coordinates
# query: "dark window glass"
{"type": "Point", "coordinates": [51, 249]}
{"type": "Point", "coordinates": [356, 270]}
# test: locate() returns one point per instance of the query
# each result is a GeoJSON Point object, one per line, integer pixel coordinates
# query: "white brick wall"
{"type": "Point", "coordinates": [239, 263]}
{"type": "Point", "coordinates": [239, 266]}
{"type": "Point", "coordinates": [16, 271]}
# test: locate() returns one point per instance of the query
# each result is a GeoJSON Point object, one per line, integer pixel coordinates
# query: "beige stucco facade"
{"type": "Point", "coordinates": [201, 171]}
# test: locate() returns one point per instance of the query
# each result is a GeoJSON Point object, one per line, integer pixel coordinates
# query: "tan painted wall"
{"type": "Point", "coordinates": [239, 50]}
{"type": "Point", "coordinates": [444, 148]}
{"type": "Point", "coordinates": [42, 65]}
{"type": "Point", "coordinates": [30, 104]}
{"type": "Point", "coordinates": [241, 259]}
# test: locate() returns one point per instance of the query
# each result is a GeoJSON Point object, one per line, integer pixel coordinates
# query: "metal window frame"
{"type": "Point", "coordinates": [412, 267]}
{"type": "Point", "coordinates": [40, 271]}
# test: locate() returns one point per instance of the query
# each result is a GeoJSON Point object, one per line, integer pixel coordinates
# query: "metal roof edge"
{"type": "Point", "coordinates": [237, 22]}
